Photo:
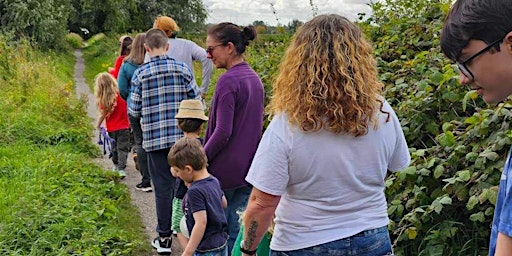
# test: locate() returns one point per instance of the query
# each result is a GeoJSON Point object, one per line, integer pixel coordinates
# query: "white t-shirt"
{"type": "Point", "coordinates": [331, 185]}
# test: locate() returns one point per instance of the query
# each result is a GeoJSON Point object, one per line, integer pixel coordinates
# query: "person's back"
{"type": "Point", "coordinates": [322, 161]}
{"type": "Point", "coordinates": [161, 132]}
{"type": "Point", "coordinates": [185, 50]}
{"type": "Point", "coordinates": [158, 88]}
{"type": "Point", "coordinates": [113, 110]}
{"type": "Point", "coordinates": [477, 35]}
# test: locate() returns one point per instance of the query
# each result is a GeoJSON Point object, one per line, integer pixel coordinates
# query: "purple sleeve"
{"type": "Point", "coordinates": [225, 112]}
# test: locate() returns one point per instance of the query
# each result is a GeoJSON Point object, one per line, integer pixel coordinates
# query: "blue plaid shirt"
{"type": "Point", "coordinates": [157, 88]}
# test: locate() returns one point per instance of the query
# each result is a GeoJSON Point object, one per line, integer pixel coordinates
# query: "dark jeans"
{"type": "Point", "coordinates": [163, 185]}
{"type": "Point", "coordinates": [121, 147]}
{"type": "Point", "coordinates": [141, 153]}
{"type": "Point", "coordinates": [374, 242]}
{"type": "Point", "coordinates": [237, 201]}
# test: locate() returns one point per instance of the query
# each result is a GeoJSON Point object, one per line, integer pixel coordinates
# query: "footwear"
{"type": "Point", "coordinates": [135, 160]}
{"type": "Point", "coordinates": [122, 174]}
{"type": "Point", "coordinates": [115, 168]}
{"type": "Point", "coordinates": [144, 187]}
{"type": "Point", "coordinates": [162, 246]}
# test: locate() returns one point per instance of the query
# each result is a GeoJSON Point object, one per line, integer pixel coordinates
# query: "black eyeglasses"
{"type": "Point", "coordinates": [210, 49]}
{"type": "Point", "coordinates": [463, 65]}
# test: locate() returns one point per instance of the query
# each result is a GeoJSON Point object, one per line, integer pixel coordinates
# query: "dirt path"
{"type": "Point", "coordinates": [145, 202]}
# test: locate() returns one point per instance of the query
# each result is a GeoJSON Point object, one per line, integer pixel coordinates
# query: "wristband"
{"type": "Point", "coordinates": [243, 250]}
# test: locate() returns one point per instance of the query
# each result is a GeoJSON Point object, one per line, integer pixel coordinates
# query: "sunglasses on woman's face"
{"type": "Point", "coordinates": [210, 49]}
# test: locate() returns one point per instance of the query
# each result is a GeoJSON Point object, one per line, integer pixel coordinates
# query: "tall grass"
{"type": "Point", "coordinates": [54, 200]}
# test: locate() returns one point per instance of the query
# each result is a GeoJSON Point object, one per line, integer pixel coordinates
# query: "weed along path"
{"type": "Point", "coordinates": [144, 201]}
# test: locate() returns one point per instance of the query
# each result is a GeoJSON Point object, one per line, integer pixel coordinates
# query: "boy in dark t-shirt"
{"type": "Point", "coordinates": [205, 201]}
{"type": "Point", "coordinates": [190, 118]}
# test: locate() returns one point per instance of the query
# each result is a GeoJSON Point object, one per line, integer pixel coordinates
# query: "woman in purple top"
{"type": "Point", "coordinates": [236, 117]}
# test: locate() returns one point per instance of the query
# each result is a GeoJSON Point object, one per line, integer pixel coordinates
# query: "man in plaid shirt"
{"type": "Point", "coordinates": [158, 87]}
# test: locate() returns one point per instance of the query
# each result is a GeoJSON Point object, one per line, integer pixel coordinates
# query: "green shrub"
{"type": "Point", "coordinates": [75, 40]}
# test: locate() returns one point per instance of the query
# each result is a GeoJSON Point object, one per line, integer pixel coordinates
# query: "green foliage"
{"type": "Point", "coordinates": [444, 202]}
{"type": "Point", "coordinates": [43, 21]}
{"type": "Point", "coordinates": [75, 40]}
{"type": "Point", "coordinates": [121, 16]}
{"type": "Point", "coordinates": [53, 200]}
{"type": "Point", "coordinates": [100, 54]}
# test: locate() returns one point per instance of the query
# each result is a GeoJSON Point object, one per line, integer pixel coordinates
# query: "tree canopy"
{"type": "Point", "coordinates": [47, 21]}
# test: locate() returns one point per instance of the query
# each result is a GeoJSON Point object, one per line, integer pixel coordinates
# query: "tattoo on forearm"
{"type": "Point", "coordinates": [251, 234]}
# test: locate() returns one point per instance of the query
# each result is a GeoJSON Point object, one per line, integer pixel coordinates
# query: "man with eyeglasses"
{"type": "Point", "coordinates": [477, 35]}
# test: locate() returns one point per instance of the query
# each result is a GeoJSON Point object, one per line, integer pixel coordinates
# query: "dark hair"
{"type": "Point", "coordinates": [228, 32]}
{"type": "Point", "coordinates": [187, 151]}
{"type": "Point", "coordinates": [125, 44]}
{"type": "Point", "coordinates": [156, 39]}
{"type": "Point", "coordinates": [486, 20]}
{"type": "Point", "coordinates": [190, 124]}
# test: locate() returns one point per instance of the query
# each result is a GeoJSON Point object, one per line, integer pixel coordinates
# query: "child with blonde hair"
{"type": "Point", "coordinates": [114, 111]}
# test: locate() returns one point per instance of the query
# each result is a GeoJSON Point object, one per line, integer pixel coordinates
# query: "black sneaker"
{"type": "Point", "coordinates": [144, 187]}
{"type": "Point", "coordinates": [162, 246]}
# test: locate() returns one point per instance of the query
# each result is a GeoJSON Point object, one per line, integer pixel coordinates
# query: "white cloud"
{"type": "Point", "coordinates": [244, 12]}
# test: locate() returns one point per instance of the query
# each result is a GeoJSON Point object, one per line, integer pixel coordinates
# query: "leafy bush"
{"type": "Point", "coordinates": [444, 202]}
{"type": "Point", "coordinates": [75, 40]}
{"type": "Point", "coordinates": [44, 22]}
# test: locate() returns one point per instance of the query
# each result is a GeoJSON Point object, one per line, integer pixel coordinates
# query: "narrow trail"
{"type": "Point", "coordinates": [144, 201]}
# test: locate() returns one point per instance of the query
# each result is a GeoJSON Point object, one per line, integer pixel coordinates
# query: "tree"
{"type": "Point", "coordinates": [189, 14]}
{"type": "Point", "coordinates": [294, 25]}
{"type": "Point", "coordinates": [258, 23]}
{"type": "Point", "coordinates": [42, 21]}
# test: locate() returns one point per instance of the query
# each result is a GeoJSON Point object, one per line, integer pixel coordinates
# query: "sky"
{"type": "Point", "coordinates": [244, 12]}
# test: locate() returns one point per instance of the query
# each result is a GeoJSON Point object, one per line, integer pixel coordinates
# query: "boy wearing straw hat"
{"type": "Point", "coordinates": [190, 120]}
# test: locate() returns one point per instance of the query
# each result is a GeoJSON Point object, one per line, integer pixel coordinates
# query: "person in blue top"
{"type": "Point", "coordinates": [124, 78]}
{"type": "Point", "coordinates": [477, 35]}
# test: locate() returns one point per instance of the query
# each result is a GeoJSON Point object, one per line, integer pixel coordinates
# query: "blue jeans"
{"type": "Point", "coordinates": [237, 201]}
{"type": "Point", "coordinates": [163, 184]}
{"type": "Point", "coordinates": [374, 242]}
{"type": "Point", "coordinates": [220, 252]}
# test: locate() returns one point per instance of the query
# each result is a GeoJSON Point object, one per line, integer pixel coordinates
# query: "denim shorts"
{"type": "Point", "coordinates": [374, 242]}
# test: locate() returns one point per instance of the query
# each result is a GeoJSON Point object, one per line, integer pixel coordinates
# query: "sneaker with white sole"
{"type": "Point", "coordinates": [162, 245]}
{"type": "Point", "coordinates": [144, 187]}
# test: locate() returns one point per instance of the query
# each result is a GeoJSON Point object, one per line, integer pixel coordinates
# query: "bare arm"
{"type": "Point", "coordinates": [199, 54]}
{"type": "Point", "coordinates": [258, 217]}
{"type": "Point", "coordinates": [503, 245]}
{"type": "Point", "coordinates": [101, 117]}
{"type": "Point", "coordinates": [197, 233]}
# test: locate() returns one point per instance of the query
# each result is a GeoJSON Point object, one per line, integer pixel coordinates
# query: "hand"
{"type": "Point", "coordinates": [203, 95]}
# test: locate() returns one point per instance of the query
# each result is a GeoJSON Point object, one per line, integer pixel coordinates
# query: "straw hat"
{"type": "Point", "coordinates": [191, 109]}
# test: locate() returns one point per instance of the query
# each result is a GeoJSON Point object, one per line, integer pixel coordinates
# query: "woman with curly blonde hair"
{"type": "Point", "coordinates": [114, 111]}
{"type": "Point", "coordinates": [322, 162]}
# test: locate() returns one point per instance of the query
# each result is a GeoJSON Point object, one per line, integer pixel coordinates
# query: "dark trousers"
{"type": "Point", "coordinates": [141, 153]}
{"type": "Point", "coordinates": [163, 184]}
{"type": "Point", "coordinates": [121, 147]}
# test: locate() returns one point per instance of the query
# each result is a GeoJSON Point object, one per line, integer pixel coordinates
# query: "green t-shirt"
{"type": "Point", "coordinates": [263, 247]}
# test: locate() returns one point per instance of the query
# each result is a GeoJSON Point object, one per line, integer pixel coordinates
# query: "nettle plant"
{"type": "Point", "coordinates": [444, 202]}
